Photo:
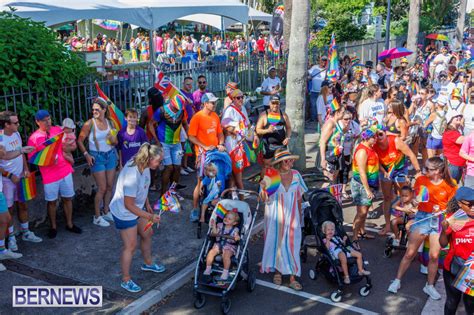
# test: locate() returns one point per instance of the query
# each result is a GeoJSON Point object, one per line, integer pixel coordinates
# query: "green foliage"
{"type": "Point", "coordinates": [30, 56]}
{"type": "Point", "coordinates": [342, 27]}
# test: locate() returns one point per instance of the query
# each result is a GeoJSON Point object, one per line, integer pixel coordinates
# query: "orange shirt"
{"type": "Point", "coordinates": [438, 194]}
{"type": "Point", "coordinates": [205, 128]}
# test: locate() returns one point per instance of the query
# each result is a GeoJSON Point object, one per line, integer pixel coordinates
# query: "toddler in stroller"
{"type": "Point", "coordinates": [227, 235]}
{"type": "Point", "coordinates": [210, 188]}
{"type": "Point", "coordinates": [339, 250]}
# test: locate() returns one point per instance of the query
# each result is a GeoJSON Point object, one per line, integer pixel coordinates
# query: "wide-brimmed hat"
{"type": "Point", "coordinates": [283, 155]}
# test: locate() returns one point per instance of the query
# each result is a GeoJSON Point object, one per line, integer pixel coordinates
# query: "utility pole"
{"type": "Point", "coordinates": [460, 23]}
{"type": "Point", "coordinates": [387, 26]}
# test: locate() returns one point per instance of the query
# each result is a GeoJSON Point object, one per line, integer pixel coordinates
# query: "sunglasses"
{"type": "Point", "coordinates": [275, 103]}
{"type": "Point", "coordinates": [238, 97]}
{"type": "Point", "coordinates": [96, 109]}
{"type": "Point", "coordinates": [346, 119]}
{"type": "Point", "coordinates": [14, 123]}
{"type": "Point", "coordinates": [431, 169]}
{"type": "Point", "coordinates": [288, 161]}
{"type": "Point", "coordinates": [380, 134]}
{"type": "Point", "coordinates": [202, 82]}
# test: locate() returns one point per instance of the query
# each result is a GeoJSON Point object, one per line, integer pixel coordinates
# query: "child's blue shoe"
{"type": "Point", "coordinates": [194, 215]}
{"type": "Point", "coordinates": [154, 268]}
{"type": "Point", "coordinates": [131, 286]}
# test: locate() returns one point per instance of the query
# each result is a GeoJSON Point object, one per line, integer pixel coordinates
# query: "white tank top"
{"type": "Point", "coordinates": [100, 137]}
{"type": "Point", "coordinates": [437, 124]}
{"type": "Point", "coordinates": [468, 117]}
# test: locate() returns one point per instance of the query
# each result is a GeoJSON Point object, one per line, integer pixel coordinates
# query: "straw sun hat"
{"type": "Point", "coordinates": [283, 155]}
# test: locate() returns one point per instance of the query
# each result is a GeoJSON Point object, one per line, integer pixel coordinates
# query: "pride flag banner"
{"type": "Point", "coordinates": [336, 191]}
{"type": "Point", "coordinates": [464, 281]}
{"type": "Point", "coordinates": [47, 156]}
{"type": "Point", "coordinates": [333, 67]}
{"type": "Point", "coordinates": [168, 89]}
{"type": "Point", "coordinates": [110, 25]}
{"type": "Point", "coordinates": [116, 115]}
{"type": "Point", "coordinates": [27, 188]}
{"type": "Point", "coordinates": [221, 211]}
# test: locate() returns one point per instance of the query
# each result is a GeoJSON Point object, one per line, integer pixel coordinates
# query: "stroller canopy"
{"type": "Point", "coordinates": [324, 207]}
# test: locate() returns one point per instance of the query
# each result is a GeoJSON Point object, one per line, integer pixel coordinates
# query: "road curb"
{"type": "Point", "coordinates": [169, 286]}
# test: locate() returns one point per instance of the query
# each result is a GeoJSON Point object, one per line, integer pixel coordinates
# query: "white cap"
{"type": "Point", "coordinates": [68, 123]}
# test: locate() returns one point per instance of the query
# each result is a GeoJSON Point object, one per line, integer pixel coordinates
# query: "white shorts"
{"type": "Point", "coordinates": [63, 187]}
{"type": "Point", "coordinates": [10, 190]}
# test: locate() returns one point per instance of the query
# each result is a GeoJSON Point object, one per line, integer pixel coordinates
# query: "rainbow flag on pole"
{"type": "Point", "coordinates": [116, 115]}
{"type": "Point", "coordinates": [47, 155]}
{"type": "Point", "coordinates": [333, 58]}
{"type": "Point", "coordinates": [221, 211]}
{"type": "Point", "coordinates": [27, 188]}
{"type": "Point", "coordinates": [167, 88]}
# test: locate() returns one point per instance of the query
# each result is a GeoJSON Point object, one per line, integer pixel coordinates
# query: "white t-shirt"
{"type": "Point", "coordinates": [12, 143]}
{"type": "Point", "coordinates": [468, 118]}
{"type": "Point", "coordinates": [170, 50]}
{"type": "Point", "coordinates": [269, 85]}
{"type": "Point", "coordinates": [232, 117]}
{"type": "Point", "coordinates": [321, 107]}
{"type": "Point", "coordinates": [443, 66]}
{"type": "Point", "coordinates": [350, 136]}
{"type": "Point", "coordinates": [370, 109]}
{"type": "Point", "coordinates": [130, 183]}
{"type": "Point", "coordinates": [318, 75]}
{"type": "Point", "coordinates": [441, 88]}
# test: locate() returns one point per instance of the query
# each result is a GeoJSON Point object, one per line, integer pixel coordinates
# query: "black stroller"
{"type": "Point", "coordinates": [240, 266]}
{"type": "Point", "coordinates": [324, 207]}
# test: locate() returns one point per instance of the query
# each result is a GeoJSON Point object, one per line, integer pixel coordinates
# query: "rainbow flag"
{"type": "Point", "coordinates": [414, 91]}
{"type": "Point", "coordinates": [332, 76]}
{"type": "Point", "coordinates": [110, 25]}
{"type": "Point", "coordinates": [251, 156]}
{"type": "Point", "coordinates": [464, 281]}
{"type": "Point", "coordinates": [332, 56]}
{"type": "Point", "coordinates": [334, 106]}
{"type": "Point", "coordinates": [336, 191]}
{"type": "Point", "coordinates": [116, 115]}
{"type": "Point", "coordinates": [27, 188]}
{"type": "Point", "coordinates": [273, 118]}
{"type": "Point", "coordinates": [355, 60]}
{"type": "Point", "coordinates": [168, 89]}
{"type": "Point", "coordinates": [221, 211]}
{"type": "Point", "coordinates": [47, 155]}
{"type": "Point", "coordinates": [458, 220]}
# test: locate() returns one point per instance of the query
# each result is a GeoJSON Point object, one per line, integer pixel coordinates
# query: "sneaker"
{"type": "Point", "coordinates": [180, 198]}
{"type": "Point", "coordinates": [183, 172]}
{"type": "Point", "coordinates": [395, 242]}
{"type": "Point", "coordinates": [431, 291]}
{"type": "Point", "coordinates": [394, 286]}
{"type": "Point", "coordinates": [100, 221]}
{"type": "Point", "coordinates": [154, 268]}
{"type": "Point", "coordinates": [2, 267]}
{"type": "Point", "coordinates": [373, 214]}
{"type": "Point", "coordinates": [75, 229]}
{"type": "Point", "coordinates": [423, 269]}
{"type": "Point", "coordinates": [179, 186]}
{"type": "Point", "coordinates": [29, 236]}
{"type": "Point", "coordinates": [364, 273]}
{"type": "Point", "coordinates": [8, 254]}
{"type": "Point", "coordinates": [108, 217]}
{"type": "Point", "coordinates": [12, 244]}
{"type": "Point", "coordinates": [52, 233]}
{"type": "Point", "coordinates": [194, 215]}
{"type": "Point", "coordinates": [130, 286]}
{"type": "Point", "coordinates": [189, 169]}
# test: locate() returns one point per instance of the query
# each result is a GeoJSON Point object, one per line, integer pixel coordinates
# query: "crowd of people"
{"type": "Point", "coordinates": [375, 122]}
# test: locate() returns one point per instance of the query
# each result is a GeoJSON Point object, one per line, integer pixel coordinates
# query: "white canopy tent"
{"type": "Point", "coordinates": [221, 23]}
{"type": "Point", "coordinates": [149, 14]}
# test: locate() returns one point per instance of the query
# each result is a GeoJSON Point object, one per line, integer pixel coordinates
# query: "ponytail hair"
{"type": "Point", "coordinates": [441, 164]}
{"type": "Point", "coordinates": [103, 104]}
{"type": "Point", "coordinates": [145, 154]}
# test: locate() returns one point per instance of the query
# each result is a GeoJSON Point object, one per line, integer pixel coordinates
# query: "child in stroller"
{"type": "Point", "coordinates": [227, 235]}
{"type": "Point", "coordinates": [406, 205]}
{"type": "Point", "coordinates": [210, 189]}
{"type": "Point", "coordinates": [339, 250]}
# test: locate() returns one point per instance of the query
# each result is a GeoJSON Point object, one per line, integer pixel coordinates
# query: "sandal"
{"type": "Point", "coordinates": [365, 236]}
{"type": "Point", "coordinates": [277, 279]}
{"type": "Point", "coordinates": [295, 285]}
{"type": "Point", "coordinates": [356, 245]}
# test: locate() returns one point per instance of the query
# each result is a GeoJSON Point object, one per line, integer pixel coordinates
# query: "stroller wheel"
{"type": "Point", "coordinates": [387, 253]}
{"type": "Point", "coordinates": [336, 296]}
{"type": "Point", "coordinates": [312, 274]}
{"type": "Point", "coordinates": [251, 281]}
{"type": "Point", "coordinates": [225, 306]}
{"type": "Point", "coordinates": [364, 291]}
{"type": "Point", "coordinates": [199, 300]}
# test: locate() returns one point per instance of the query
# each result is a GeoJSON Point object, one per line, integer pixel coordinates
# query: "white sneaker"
{"type": "Point", "coordinates": [396, 242]}
{"type": "Point", "coordinates": [29, 236]}
{"type": "Point", "coordinates": [189, 169]}
{"type": "Point", "coordinates": [423, 269]}
{"type": "Point", "coordinates": [183, 172]}
{"type": "Point", "coordinates": [108, 217]}
{"type": "Point", "coordinates": [100, 221]}
{"type": "Point", "coordinates": [2, 267]}
{"type": "Point", "coordinates": [8, 254]}
{"type": "Point", "coordinates": [394, 286]}
{"type": "Point", "coordinates": [12, 243]}
{"type": "Point", "coordinates": [431, 291]}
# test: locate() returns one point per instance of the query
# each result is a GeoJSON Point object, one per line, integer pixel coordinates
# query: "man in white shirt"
{"type": "Point", "coordinates": [270, 86]}
{"type": "Point", "coordinates": [441, 85]}
{"type": "Point", "coordinates": [170, 47]}
{"type": "Point", "coordinates": [317, 74]}
{"type": "Point", "coordinates": [441, 60]}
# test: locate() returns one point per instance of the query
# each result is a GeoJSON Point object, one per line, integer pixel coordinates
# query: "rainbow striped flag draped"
{"type": "Point", "coordinates": [110, 25]}
{"type": "Point", "coordinates": [47, 155]}
{"type": "Point", "coordinates": [116, 115]}
{"type": "Point", "coordinates": [464, 281]}
{"type": "Point", "coordinates": [27, 188]}
{"type": "Point", "coordinates": [333, 68]}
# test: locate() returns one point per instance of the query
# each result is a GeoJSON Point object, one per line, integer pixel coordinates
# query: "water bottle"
{"type": "Point", "coordinates": [434, 219]}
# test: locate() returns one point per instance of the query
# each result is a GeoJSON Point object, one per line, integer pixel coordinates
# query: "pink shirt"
{"type": "Point", "coordinates": [54, 172]}
{"type": "Point", "coordinates": [159, 44]}
{"type": "Point", "coordinates": [468, 148]}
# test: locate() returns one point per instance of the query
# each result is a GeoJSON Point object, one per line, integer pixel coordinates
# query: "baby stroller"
{"type": "Point", "coordinates": [224, 168]}
{"type": "Point", "coordinates": [324, 207]}
{"type": "Point", "coordinates": [389, 244]}
{"type": "Point", "coordinates": [240, 265]}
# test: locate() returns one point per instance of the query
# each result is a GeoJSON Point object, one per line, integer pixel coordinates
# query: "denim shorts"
{"type": "Point", "coordinates": [124, 224]}
{"type": "Point", "coordinates": [434, 144]}
{"type": "Point", "coordinates": [424, 226]}
{"type": "Point", "coordinates": [173, 153]}
{"type": "Point", "coordinates": [399, 176]}
{"type": "Point", "coordinates": [3, 203]}
{"type": "Point", "coordinates": [104, 161]}
{"type": "Point", "coordinates": [359, 195]}
{"type": "Point", "coordinates": [63, 187]}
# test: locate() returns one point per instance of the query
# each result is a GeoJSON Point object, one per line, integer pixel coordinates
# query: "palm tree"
{"type": "Point", "coordinates": [413, 28]}
{"type": "Point", "coordinates": [460, 23]}
{"type": "Point", "coordinates": [296, 76]}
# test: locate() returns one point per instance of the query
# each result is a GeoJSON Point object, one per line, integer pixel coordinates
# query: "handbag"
{"type": "Point", "coordinates": [456, 265]}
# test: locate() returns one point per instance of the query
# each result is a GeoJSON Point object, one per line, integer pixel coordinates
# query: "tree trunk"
{"type": "Point", "coordinates": [413, 29]}
{"type": "Point", "coordinates": [287, 26]}
{"type": "Point", "coordinates": [296, 76]}
{"type": "Point", "coordinates": [460, 23]}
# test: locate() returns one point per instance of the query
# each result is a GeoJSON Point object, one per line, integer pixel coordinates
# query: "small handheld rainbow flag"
{"type": "Point", "coordinates": [334, 106]}
{"type": "Point", "coordinates": [336, 191]}
{"type": "Point", "coordinates": [27, 188]}
{"type": "Point", "coordinates": [272, 180]}
{"type": "Point", "coordinates": [167, 88]}
{"type": "Point", "coordinates": [355, 60]}
{"type": "Point", "coordinates": [464, 281]}
{"type": "Point", "coordinates": [47, 156]}
{"type": "Point", "coordinates": [458, 220]}
{"type": "Point", "coordinates": [221, 211]}
{"type": "Point", "coordinates": [116, 115]}
{"type": "Point", "coordinates": [423, 195]}
{"type": "Point", "coordinates": [332, 76]}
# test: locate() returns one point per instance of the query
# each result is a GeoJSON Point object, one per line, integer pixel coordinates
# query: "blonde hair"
{"type": "Point", "coordinates": [326, 224]}
{"type": "Point", "coordinates": [145, 154]}
{"type": "Point", "coordinates": [235, 215]}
